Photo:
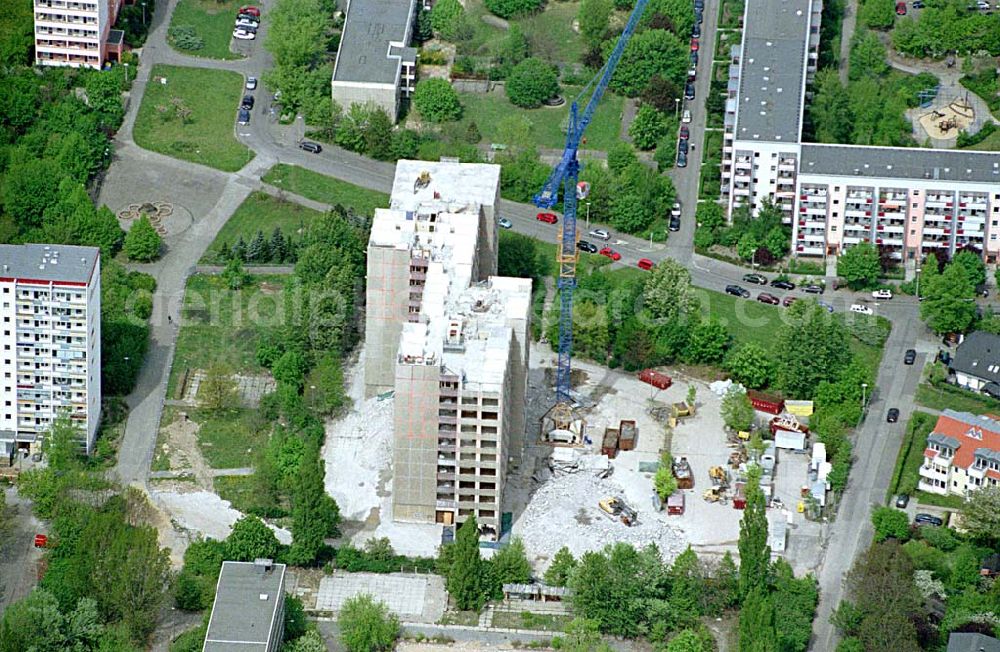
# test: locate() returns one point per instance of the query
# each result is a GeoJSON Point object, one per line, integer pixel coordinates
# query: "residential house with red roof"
{"type": "Point", "coordinates": [962, 454]}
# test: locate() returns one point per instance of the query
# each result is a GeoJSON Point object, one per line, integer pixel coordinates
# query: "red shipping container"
{"type": "Point", "coordinates": [765, 403]}
{"type": "Point", "coordinates": [656, 379]}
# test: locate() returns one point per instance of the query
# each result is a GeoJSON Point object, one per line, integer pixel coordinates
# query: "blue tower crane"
{"type": "Point", "coordinates": [566, 173]}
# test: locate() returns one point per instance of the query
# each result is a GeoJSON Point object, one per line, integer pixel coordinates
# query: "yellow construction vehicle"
{"type": "Point", "coordinates": [719, 476]}
{"type": "Point", "coordinates": [617, 508]}
{"type": "Point", "coordinates": [715, 494]}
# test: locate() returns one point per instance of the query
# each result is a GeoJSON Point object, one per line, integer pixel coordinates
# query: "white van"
{"type": "Point", "coordinates": [882, 294]}
{"type": "Point", "coordinates": [861, 309]}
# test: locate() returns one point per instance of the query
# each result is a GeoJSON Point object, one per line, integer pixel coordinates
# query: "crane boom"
{"type": "Point", "coordinates": [566, 173]}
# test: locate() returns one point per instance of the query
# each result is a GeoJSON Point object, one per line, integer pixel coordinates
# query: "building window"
{"type": "Point", "coordinates": [833, 229]}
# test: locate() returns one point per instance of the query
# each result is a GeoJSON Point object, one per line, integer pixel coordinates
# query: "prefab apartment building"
{"type": "Point", "coordinates": [76, 33]}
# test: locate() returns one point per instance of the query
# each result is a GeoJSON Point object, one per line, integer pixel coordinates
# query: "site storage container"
{"type": "Point", "coordinates": [765, 403]}
{"type": "Point", "coordinates": [655, 378]}
{"type": "Point", "coordinates": [609, 446]}
{"type": "Point", "coordinates": [628, 435]}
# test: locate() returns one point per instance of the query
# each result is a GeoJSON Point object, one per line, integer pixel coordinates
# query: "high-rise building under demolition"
{"type": "Point", "coordinates": [450, 338]}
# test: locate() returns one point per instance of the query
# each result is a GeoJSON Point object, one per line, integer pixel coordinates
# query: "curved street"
{"type": "Point", "coordinates": [876, 443]}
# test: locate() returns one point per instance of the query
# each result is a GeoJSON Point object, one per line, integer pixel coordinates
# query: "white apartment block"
{"type": "Point", "coordinates": [50, 342]}
{"type": "Point", "coordinates": [76, 33]}
{"type": "Point", "coordinates": [909, 201]}
{"type": "Point", "coordinates": [451, 339]}
{"type": "Point", "coordinates": [962, 454]}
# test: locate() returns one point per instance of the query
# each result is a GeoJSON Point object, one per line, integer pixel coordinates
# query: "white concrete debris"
{"type": "Point", "coordinates": [358, 450]}
{"type": "Point", "coordinates": [205, 512]}
{"type": "Point", "coordinates": [722, 387]}
{"type": "Point", "coordinates": [573, 460]}
{"type": "Point", "coordinates": [564, 512]}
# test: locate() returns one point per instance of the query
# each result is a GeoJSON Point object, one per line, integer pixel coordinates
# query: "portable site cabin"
{"type": "Point", "coordinates": [778, 534]}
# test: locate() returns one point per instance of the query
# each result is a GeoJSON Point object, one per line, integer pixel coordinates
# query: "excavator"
{"type": "Point", "coordinates": [616, 507]}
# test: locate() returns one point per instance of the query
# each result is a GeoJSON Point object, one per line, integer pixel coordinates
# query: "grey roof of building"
{"type": "Point", "coordinates": [772, 71]}
{"type": "Point", "coordinates": [988, 454]}
{"type": "Point", "coordinates": [968, 642]}
{"type": "Point", "coordinates": [366, 53]}
{"type": "Point", "coordinates": [978, 355]}
{"type": "Point", "coordinates": [242, 619]}
{"type": "Point", "coordinates": [943, 440]}
{"type": "Point", "coordinates": [44, 262]}
{"type": "Point", "coordinates": [900, 163]}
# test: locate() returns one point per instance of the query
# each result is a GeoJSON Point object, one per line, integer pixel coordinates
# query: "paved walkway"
{"type": "Point", "coordinates": [846, 36]}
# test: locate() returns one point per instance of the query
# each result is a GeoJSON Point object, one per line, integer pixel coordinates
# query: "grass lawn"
{"type": "Point", "coordinates": [990, 144]}
{"type": "Point", "coordinates": [319, 187]}
{"type": "Point", "coordinates": [260, 211]}
{"type": "Point", "coordinates": [551, 32]}
{"type": "Point", "coordinates": [207, 135]}
{"type": "Point", "coordinates": [948, 502]}
{"type": "Point", "coordinates": [237, 489]}
{"type": "Point", "coordinates": [214, 314]}
{"type": "Point", "coordinates": [529, 620]}
{"type": "Point", "coordinates": [955, 399]}
{"type": "Point", "coordinates": [488, 110]}
{"type": "Point", "coordinates": [227, 438]}
{"type": "Point", "coordinates": [213, 21]}
{"type": "Point", "coordinates": [911, 454]}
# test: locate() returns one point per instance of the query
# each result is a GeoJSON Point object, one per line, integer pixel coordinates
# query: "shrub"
{"type": "Point", "coordinates": [531, 82]}
{"type": "Point", "coordinates": [512, 8]}
{"type": "Point", "coordinates": [184, 37]}
{"type": "Point", "coordinates": [437, 101]}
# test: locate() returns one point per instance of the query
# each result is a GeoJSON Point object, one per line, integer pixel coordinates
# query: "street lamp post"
{"type": "Point", "coordinates": [677, 106]}
{"type": "Point", "coordinates": [918, 283]}
{"type": "Point", "coordinates": [864, 401]}
{"type": "Point", "coordinates": [588, 215]}
{"type": "Point", "coordinates": [143, 14]}
{"type": "Point", "coordinates": [126, 73]}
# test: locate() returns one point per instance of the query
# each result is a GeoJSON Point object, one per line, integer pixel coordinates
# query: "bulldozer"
{"type": "Point", "coordinates": [715, 494]}
{"type": "Point", "coordinates": [719, 476]}
{"type": "Point", "coordinates": [616, 507]}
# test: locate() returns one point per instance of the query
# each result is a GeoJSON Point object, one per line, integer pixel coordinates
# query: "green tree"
{"type": "Point", "coordinates": [593, 18]}
{"type": "Point", "coordinates": [747, 246]}
{"type": "Point", "coordinates": [737, 411]}
{"type": "Point", "coordinates": [615, 588]}
{"type": "Point", "coordinates": [691, 640]}
{"type": "Point", "coordinates": [234, 276]}
{"type": "Point", "coordinates": [950, 304]}
{"type": "Point", "coordinates": [311, 641]}
{"type": "Point", "coordinates": [890, 523]}
{"type": "Point", "coordinates": [664, 482]}
{"type": "Point", "coordinates": [142, 242]}
{"type": "Point", "coordinates": [621, 156]}
{"type": "Point", "coordinates": [251, 539]}
{"type": "Point", "coordinates": [531, 82]}
{"type": "Point", "coordinates": [63, 445]}
{"type": "Point", "coordinates": [378, 135]}
{"type": "Point", "coordinates": [877, 14]}
{"type": "Point", "coordinates": [513, 8]}
{"type": "Point", "coordinates": [668, 294]}
{"type": "Point", "coordinates": [666, 151]}
{"type": "Point", "coordinates": [258, 250]}
{"type": "Point", "coordinates": [519, 256]}
{"type": "Point", "coordinates": [709, 342]}
{"type": "Point", "coordinates": [972, 263]}
{"type": "Point", "coordinates": [583, 635]}
{"type": "Point", "coordinates": [755, 554]}
{"type": "Point", "coordinates": [687, 582]}
{"type": "Point", "coordinates": [437, 101]}
{"type": "Point", "coordinates": [511, 564]}
{"type": "Point", "coordinates": [751, 365]}
{"type": "Point", "coordinates": [290, 369]}
{"type": "Point", "coordinates": [649, 53]}
{"type": "Point", "coordinates": [867, 57]}
{"type": "Point", "coordinates": [795, 601]}
{"type": "Point", "coordinates": [446, 16]}
{"type": "Point", "coordinates": [756, 628]}
{"type": "Point", "coordinates": [29, 188]}
{"type": "Point", "coordinates": [648, 127]}
{"type": "Point", "coordinates": [217, 391]}
{"type": "Point", "coordinates": [881, 585]}
{"type": "Point", "coordinates": [562, 567]}
{"type": "Point", "coordinates": [465, 580]}
{"type": "Point", "coordinates": [367, 625]}
{"type": "Point", "coordinates": [813, 348]}
{"type": "Point", "coordinates": [860, 266]}
{"type": "Point", "coordinates": [315, 515]}
{"type": "Point", "coordinates": [831, 108]}
{"type": "Point", "coordinates": [981, 513]}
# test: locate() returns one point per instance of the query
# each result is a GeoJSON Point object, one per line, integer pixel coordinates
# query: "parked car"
{"type": "Point", "coordinates": [312, 148]}
{"type": "Point", "coordinates": [813, 289]}
{"type": "Point", "coordinates": [247, 26]}
{"type": "Point", "coordinates": [610, 253]}
{"type": "Point", "coordinates": [247, 103]}
{"type": "Point", "coordinates": [738, 291]}
{"type": "Point", "coordinates": [782, 284]}
{"type": "Point", "coordinates": [699, 5]}
{"type": "Point", "coordinates": [682, 159]}
{"type": "Point", "coordinates": [685, 132]}
{"type": "Point", "coordinates": [243, 35]}
{"type": "Point", "coordinates": [902, 500]}
{"type": "Point", "coordinates": [694, 58]}
{"type": "Point", "coordinates": [675, 223]}
{"type": "Point", "coordinates": [695, 45]}
{"type": "Point", "coordinates": [829, 308]}
{"type": "Point", "coordinates": [675, 210]}
{"type": "Point", "coordinates": [247, 21]}
{"type": "Point", "coordinates": [243, 117]}
{"type": "Point", "coordinates": [698, 16]}
{"type": "Point", "coordinates": [682, 146]}
{"type": "Point", "coordinates": [928, 519]}
{"type": "Point", "coordinates": [892, 416]}
{"type": "Point", "coordinates": [759, 279]}
{"type": "Point", "coordinates": [686, 116]}
{"type": "Point", "coordinates": [600, 234]}
{"type": "Point", "coordinates": [918, 4]}
{"type": "Point", "coordinates": [505, 223]}
{"type": "Point", "coordinates": [696, 31]}
{"type": "Point", "coordinates": [861, 309]}
{"type": "Point", "coordinates": [589, 247]}
{"type": "Point", "coordinates": [689, 91]}
{"type": "Point", "coordinates": [789, 300]}
{"type": "Point", "coordinates": [764, 297]}
{"type": "Point", "coordinates": [645, 263]}
{"type": "Point", "coordinates": [982, 4]}
{"type": "Point", "coordinates": [692, 74]}
{"type": "Point", "coordinates": [882, 294]}
{"type": "Point", "coordinates": [548, 218]}
{"type": "Point", "coordinates": [251, 84]}
{"type": "Point", "coordinates": [900, 8]}
{"type": "Point", "coordinates": [250, 9]}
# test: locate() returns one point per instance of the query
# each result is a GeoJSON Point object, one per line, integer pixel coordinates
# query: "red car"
{"type": "Point", "coordinates": [685, 133]}
{"type": "Point", "coordinates": [789, 300]}
{"type": "Point", "coordinates": [694, 45]}
{"type": "Point", "coordinates": [900, 8]}
{"type": "Point", "coordinates": [645, 263]}
{"type": "Point", "coordinates": [548, 218]}
{"type": "Point", "coordinates": [610, 253]}
{"type": "Point", "coordinates": [249, 9]}
{"type": "Point", "coordinates": [764, 297]}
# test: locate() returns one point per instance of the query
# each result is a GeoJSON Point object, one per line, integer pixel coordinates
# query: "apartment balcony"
{"type": "Point", "coordinates": [857, 212]}
{"type": "Point", "coordinates": [805, 250]}
{"type": "Point", "coordinates": [446, 476]}
{"type": "Point", "coordinates": [931, 488]}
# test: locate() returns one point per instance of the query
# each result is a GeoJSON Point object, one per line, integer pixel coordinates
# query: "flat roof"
{"type": "Point", "coordinates": [467, 184]}
{"type": "Point", "coordinates": [246, 604]}
{"type": "Point", "coordinates": [900, 163]}
{"type": "Point", "coordinates": [43, 262]}
{"type": "Point", "coordinates": [374, 41]}
{"type": "Point", "coordinates": [772, 70]}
